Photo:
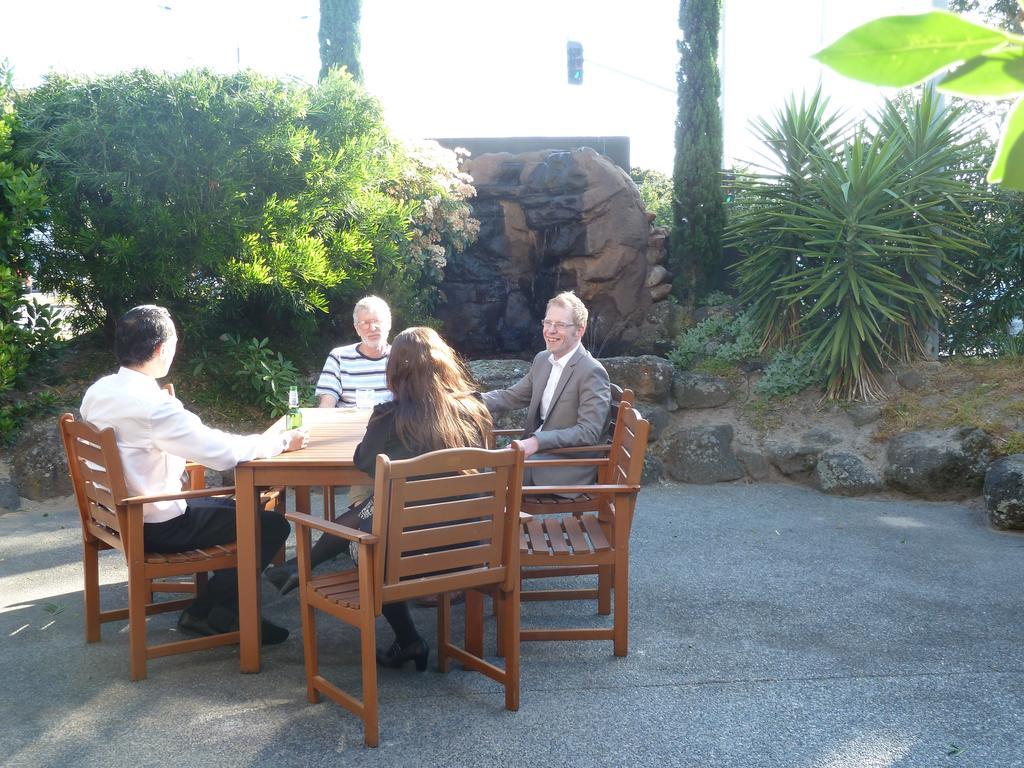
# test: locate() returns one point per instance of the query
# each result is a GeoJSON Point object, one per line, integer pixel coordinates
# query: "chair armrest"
{"type": "Point", "coordinates": [227, 490]}
{"type": "Point", "coordinates": [538, 490]}
{"type": "Point", "coordinates": [604, 448]}
{"type": "Point", "coordinates": [326, 526]}
{"type": "Point", "coordinates": [591, 462]}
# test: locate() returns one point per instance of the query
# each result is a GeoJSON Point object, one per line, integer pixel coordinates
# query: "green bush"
{"type": "Point", "coordinates": [729, 340]}
{"type": "Point", "coordinates": [991, 287]}
{"type": "Point", "coordinates": [656, 192]}
{"type": "Point", "coordinates": [250, 371]}
{"type": "Point", "coordinates": [847, 245]}
{"type": "Point", "coordinates": [14, 413]}
{"type": "Point", "coordinates": [789, 372]}
{"type": "Point", "coordinates": [242, 203]}
{"type": "Point", "coordinates": [27, 332]}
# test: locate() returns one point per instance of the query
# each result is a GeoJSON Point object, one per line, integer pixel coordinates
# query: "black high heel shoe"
{"type": "Point", "coordinates": [418, 651]}
{"type": "Point", "coordinates": [284, 577]}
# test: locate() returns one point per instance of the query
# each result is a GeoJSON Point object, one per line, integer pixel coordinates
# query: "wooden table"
{"type": "Point", "coordinates": [327, 461]}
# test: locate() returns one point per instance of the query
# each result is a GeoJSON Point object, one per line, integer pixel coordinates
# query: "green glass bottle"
{"type": "Point", "coordinates": [294, 418]}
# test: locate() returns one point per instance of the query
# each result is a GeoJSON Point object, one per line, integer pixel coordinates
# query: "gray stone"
{"type": "Point", "coordinates": [657, 415]}
{"type": "Point", "coordinates": [654, 470]}
{"type": "Point", "coordinates": [799, 460]}
{"type": "Point", "coordinates": [862, 414]}
{"type": "Point", "coordinates": [910, 379]}
{"type": "Point", "coordinates": [819, 437]}
{"type": "Point", "coordinates": [657, 275]}
{"type": "Point", "coordinates": [661, 292]}
{"type": "Point", "coordinates": [792, 459]}
{"type": "Point", "coordinates": [40, 466]}
{"type": "Point", "coordinates": [754, 462]}
{"type": "Point", "coordinates": [700, 390]}
{"type": "Point", "coordinates": [1004, 492]}
{"type": "Point", "coordinates": [9, 498]}
{"type": "Point", "coordinates": [940, 463]}
{"type": "Point", "coordinates": [649, 376]}
{"type": "Point", "coordinates": [702, 455]}
{"type": "Point", "coordinates": [845, 474]}
{"type": "Point", "coordinates": [498, 374]}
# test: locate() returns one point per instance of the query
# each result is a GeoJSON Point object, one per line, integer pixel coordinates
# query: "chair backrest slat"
{"type": "Point", "coordinates": [446, 536]}
{"type": "Point", "coordinates": [96, 474]}
{"type": "Point", "coordinates": [420, 489]}
{"type": "Point", "coordinates": [451, 529]}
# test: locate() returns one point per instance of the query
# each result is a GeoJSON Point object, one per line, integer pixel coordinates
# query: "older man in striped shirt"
{"type": "Point", "coordinates": [359, 366]}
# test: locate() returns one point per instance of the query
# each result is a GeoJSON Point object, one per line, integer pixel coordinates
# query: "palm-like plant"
{"type": "Point", "coordinates": [850, 264]}
{"type": "Point", "coordinates": [765, 200]}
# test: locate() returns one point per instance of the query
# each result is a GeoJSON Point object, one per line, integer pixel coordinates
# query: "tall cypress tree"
{"type": "Point", "coordinates": [697, 205]}
{"type": "Point", "coordinates": [339, 36]}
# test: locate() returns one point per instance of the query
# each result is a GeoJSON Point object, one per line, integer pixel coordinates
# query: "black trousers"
{"type": "Point", "coordinates": [206, 523]}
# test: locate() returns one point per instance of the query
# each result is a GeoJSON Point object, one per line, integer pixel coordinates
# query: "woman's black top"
{"type": "Point", "coordinates": [382, 437]}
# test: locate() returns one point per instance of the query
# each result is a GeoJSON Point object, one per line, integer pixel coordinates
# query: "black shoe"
{"type": "Point", "coordinates": [191, 624]}
{"type": "Point", "coordinates": [284, 577]}
{"type": "Point", "coordinates": [223, 619]}
{"type": "Point", "coordinates": [418, 651]}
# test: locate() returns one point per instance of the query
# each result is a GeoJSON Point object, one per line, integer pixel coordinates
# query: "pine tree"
{"type": "Point", "coordinates": [339, 37]}
{"type": "Point", "coordinates": [697, 205]}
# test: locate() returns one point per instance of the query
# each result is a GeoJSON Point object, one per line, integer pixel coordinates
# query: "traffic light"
{"type": "Point", "coordinates": [574, 55]}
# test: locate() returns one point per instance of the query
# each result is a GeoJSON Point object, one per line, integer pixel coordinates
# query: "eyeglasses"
{"type": "Point", "coordinates": [368, 324]}
{"type": "Point", "coordinates": [553, 326]}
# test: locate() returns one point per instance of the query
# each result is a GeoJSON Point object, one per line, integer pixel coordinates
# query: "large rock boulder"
{"type": "Point", "coordinates": [700, 390]}
{"type": "Point", "coordinates": [550, 221]}
{"type": "Point", "coordinates": [702, 455]}
{"type": "Point", "coordinates": [657, 416]}
{"type": "Point", "coordinates": [9, 498]}
{"type": "Point", "coordinates": [40, 466]}
{"type": "Point", "coordinates": [939, 463]}
{"type": "Point", "coordinates": [498, 374]}
{"type": "Point", "coordinates": [1004, 492]}
{"type": "Point", "coordinates": [845, 474]}
{"type": "Point", "coordinates": [649, 377]}
{"type": "Point", "coordinates": [799, 458]}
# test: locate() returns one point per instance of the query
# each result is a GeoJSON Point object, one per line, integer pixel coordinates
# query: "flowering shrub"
{"type": "Point", "coordinates": [431, 181]}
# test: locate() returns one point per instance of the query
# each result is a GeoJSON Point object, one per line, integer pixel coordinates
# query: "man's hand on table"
{"type": "Point", "coordinates": [297, 439]}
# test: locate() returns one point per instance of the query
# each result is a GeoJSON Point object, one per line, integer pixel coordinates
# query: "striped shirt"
{"type": "Point", "coordinates": [347, 370]}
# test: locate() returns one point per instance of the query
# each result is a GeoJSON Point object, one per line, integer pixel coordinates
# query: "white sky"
{"type": "Point", "coordinates": [470, 67]}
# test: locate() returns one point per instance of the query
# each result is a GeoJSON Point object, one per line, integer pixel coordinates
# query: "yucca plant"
{"type": "Point", "coordinates": [766, 196]}
{"type": "Point", "coordinates": [850, 265]}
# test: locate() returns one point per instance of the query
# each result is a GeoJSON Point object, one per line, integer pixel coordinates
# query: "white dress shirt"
{"type": "Point", "coordinates": [557, 366]}
{"type": "Point", "coordinates": [155, 435]}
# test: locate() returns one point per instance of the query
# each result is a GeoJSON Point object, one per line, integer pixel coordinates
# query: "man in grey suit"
{"type": "Point", "coordinates": [568, 394]}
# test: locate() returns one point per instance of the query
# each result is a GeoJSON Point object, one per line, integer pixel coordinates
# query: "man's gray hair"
{"type": "Point", "coordinates": [572, 302]}
{"type": "Point", "coordinates": [371, 304]}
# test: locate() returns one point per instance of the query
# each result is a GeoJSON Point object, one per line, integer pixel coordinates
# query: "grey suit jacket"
{"type": "Point", "coordinates": [578, 414]}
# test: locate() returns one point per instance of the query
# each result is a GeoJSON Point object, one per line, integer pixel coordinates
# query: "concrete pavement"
{"type": "Point", "coordinates": [771, 626]}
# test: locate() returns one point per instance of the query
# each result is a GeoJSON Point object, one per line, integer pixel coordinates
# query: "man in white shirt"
{"type": "Point", "coordinates": [567, 392]}
{"type": "Point", "coordinates": [155, 435]}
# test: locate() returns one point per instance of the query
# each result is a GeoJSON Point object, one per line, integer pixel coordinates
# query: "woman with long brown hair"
{"type": "Point", "coordinates": [435, 406]}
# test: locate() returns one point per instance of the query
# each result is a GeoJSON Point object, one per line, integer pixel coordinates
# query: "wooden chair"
{"type": "Point", "coordinates": [571, 543]}
{"type": "Point", "coordinates": [111, 519]}
{"type": "Point", "coordinates": [443, 521]}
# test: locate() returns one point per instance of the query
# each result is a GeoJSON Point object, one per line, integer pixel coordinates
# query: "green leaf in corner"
{"type": "Point", "coordinates": [1008, 167]}
{"type": "Point", "coordinates": [899, 51]}
{"type": "Point", "coordinates": [992, 75]}
{"type": "Point", "coordinates": [53, 608]}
